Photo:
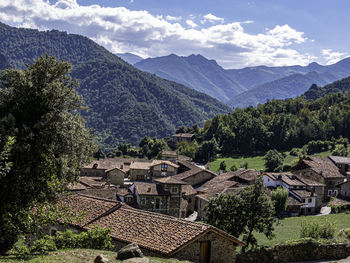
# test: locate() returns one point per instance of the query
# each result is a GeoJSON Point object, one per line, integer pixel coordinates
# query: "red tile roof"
{"type": "Point", "coordinates": [160, 233]}
{"type": "Point", "coordinates": [323, 166]}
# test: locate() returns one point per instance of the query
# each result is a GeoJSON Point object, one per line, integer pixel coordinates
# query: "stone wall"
{"type": "Point", "coordinates": [306, 250]}
{"type": "Point", "coordinates": [222, 250]}
{"type": "Point", "coordinates": [198, 178]}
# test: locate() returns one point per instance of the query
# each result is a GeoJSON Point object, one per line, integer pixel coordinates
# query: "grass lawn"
{"type": "Point", "coordinates": [255, 162]}
{"type": "Point", "coordinates": [76, 256]}
{"type": "Point", "coordinates": [288, 228]}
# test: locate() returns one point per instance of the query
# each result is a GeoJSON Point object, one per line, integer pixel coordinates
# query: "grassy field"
{"type": "Point", "coordinates": [76, 256]}
{"type": "Point", "coordinates": [255, 162]}
{"type": "Point", "coordinates": [289, 228]}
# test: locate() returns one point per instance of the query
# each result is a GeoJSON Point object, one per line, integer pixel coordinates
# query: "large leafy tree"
{"type": "Point", "coordinates": [40, 108]}
{"type": "Point", "coordinates": [273, 161]}
{"type": "Point", "coordinates": [248, 211]}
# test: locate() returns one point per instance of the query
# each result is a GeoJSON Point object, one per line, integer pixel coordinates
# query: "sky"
{"type": "Point", "coordinates": [236, 33]}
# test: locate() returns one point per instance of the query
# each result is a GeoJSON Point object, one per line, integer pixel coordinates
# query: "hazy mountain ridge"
{"type": "Point", "coordinates": [125, 104]}
{"type": "Point", "coordinates": [246, 86]}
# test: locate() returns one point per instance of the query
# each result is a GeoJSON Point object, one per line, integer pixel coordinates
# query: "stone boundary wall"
{"type": "Point", "coordinates": [302, 251]}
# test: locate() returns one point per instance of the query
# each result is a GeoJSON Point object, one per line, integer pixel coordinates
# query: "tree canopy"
{"type": "Point", "coordinates": [39, 107]}
{"type": "Point", "coordinates": [243, 213]}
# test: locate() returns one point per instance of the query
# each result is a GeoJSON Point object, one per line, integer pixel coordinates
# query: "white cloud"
{"type": "Point", "coordinates": [122, 30]}
{"type": "Point", "coordinates": [173, 18]}
{"type": "Point", "coordinates": [211, 18]}
{"type": "Point", "coordinates": [191, 23]}
{"type": "Point", "coordinates": [332, 57]}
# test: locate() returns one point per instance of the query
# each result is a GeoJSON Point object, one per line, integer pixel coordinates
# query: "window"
{"type": "Point", "coordinates": [330, 192]}
{"type": "Point", "coordinates": [310, 200]}
{"type": "Point", "coordinates": [128, 199]}
{"type": "Point", "coordinates": [157, 203]}
{"type": "Point", "coordinates": [164, 167]}
{"type": "Point", "coordinates": [143, 201]}
{"type": "Point", "coordinates": [174, 189]}
{"type": "Point", "coordinates": [335, 192]}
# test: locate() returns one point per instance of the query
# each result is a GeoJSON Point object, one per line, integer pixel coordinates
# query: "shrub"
{"type": "Point", "coordinates": [345, 233]}
{"type": "Point", "coordinates": [294, 152]}
{"type": "Point", "coordinates": [97, 238]}
{"type": "Point", "coordinates": [67, 239]}
{"type": "Point", "coordinates": [317, 230]}
{"type": "Point", "coordinates": [43, 245]}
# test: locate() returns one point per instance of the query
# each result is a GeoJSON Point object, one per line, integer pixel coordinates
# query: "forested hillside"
{"type": "Point", "coordinates": [125, 104]}
{"type": "Point", "coordinates": [279, 124]}
{"type": "Point", "coordinates": [316, 92]}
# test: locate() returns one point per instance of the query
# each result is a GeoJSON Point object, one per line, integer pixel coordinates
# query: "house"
{"type": "Point", "coordinates": [98, 168]}
{"type": "Point", "coordinates": [116, 176]}
{"type": "Point", "coordinates": [196, 176]}
{"type": "Point", "coordinates": [308, 200]}
{"type": "Point", "coordinates": [344, 189]}
{"type": "Point", "coordinates": [303, 190]}
{"type": "Point", "coordinates": [170, 155]}
{"type": "Point", "coordinates": [147, 170]}
{"type": "Point", "coordinates": [321, 170]}
{"type": "Point", "coordinates": [182, 137]}
{"type": "Point", "coordinates": [157, 235]}
{"type": "Point", "coordinates": [245, 176]}
{"type": "Point", "coordinates": [343, 164]}
{"type": "Point", "coordinates": [189, 198]}
{"type": "Point", "coordinates": [211, 189]}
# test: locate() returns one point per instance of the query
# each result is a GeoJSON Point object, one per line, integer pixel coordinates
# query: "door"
{"type": "Point", "coordinates": [205, 252]}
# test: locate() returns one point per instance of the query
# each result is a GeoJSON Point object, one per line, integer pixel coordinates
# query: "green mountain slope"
{"type": "Point", "coordinates": [125, 104]}
{"type": "Point", "coordinates": [315, 92]}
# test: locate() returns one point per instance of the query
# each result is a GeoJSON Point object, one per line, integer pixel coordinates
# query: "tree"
{"type": "Point", "coordinates": [280, 196]}
{"type": "Point", "coordinates": [340, 150]}
{"type": "Point", "coordinates": [250, 210]}
{"type": "Point", "coordinates": [206, 151]}
{"type": "Point", "coordinates": [273, 161]}
{"type": "Point", "coordinates": [233, 167]}
{"type": "Point", "coordinates": [40, 108]}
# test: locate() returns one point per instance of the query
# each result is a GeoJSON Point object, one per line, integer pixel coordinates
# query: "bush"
{"type": "Point", "coordinates": [43, 245]}
{"type": "Point", "coordinates": [345, 232]}
{"type": "Point", "coordinates": [294, 152]}
{"type": "Point", "coordinates": [317, 230]}
{"type": "Point", "coordinates": [286, 168]}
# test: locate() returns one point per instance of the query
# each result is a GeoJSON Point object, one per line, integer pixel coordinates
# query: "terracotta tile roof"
{"type": "Point", "coordinates": [303, 193]}
{"type": "Point", "coordinates": [287, 178]}
{"type": "Point", "coordinates": [217, 185]}
{"type": "Point", "coordinates": [105, 193]}
{"type": "Point", "coordinates": [187, 190]}
{"type": "Point", "coordinates": [247, 175]}
{"type": "Point", "coordinates": [141, 165]}
{"type": "Point", "coordinates": [77, 186]}
{"type": "Point", "coordinates": [123, 191]}
{"type": "Point", "coordinates": [308, 182]}
{"type": "Point", "coordinates": [194, 171]}
{"type": "Point", "coordinates": [169, 180]}
{"type": "Point", "coordinates": [87, 208]}
{"type": "Point", "coordinates": [92, 182]}
{"type": "Point", "coordinates": [174, 153]}
{"type": "Point", "coordinates": [145, 188]}
{"type": "Point", "coordinates": [157, 162]}
{"type": "Point", "coordinates": [153, 231]}
{"type": "Point", "coordinates": [323, 166]}
{"type": "Point", "coordinates": [340, 159]}
{"type": "Point", "coordinates": [160, 233]}
{"type": "Point", "coordinates": [115, 168]}
{"type": "Point", "coordinates": [110, 163]}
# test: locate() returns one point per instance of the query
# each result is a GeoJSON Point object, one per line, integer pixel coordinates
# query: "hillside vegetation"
{"type": "Point", "coordinates": [125, 104]}
{"type": "Point", "coordinates": [315, 92]}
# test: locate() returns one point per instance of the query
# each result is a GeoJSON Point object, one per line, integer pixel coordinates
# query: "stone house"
{"type": "Point", "coordinates": [344, 189]}
{"type": "Point", "coordinates": [98, 168]}
{"type": "Point", "coordinates": [157, 235]}
{"type": "Point", "coordinates": [196, 176]}
{"type": "Point", "coordinates": [170, 155]}
{"type": "Point", "coordinates": [116, 176]}
{"type": "Point", "coordinates": [147, 170]}
{"type": "Point", "coordinates": [343, 164]}
{"type": "Point", "coordinates": [321, 170]}
{"type": "Point", "coordinates": [303, 190]}
{"type": "Point", "coordinates": [182, 137]}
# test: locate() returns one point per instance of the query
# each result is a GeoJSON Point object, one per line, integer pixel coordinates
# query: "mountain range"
{"type": "Point", "coordinates": [125, 104]}
{"type": "Point", "coordinates": [247, 86]}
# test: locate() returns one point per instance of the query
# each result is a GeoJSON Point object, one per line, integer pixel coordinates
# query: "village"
{"type": "Point", "coordinates": [160, 204]}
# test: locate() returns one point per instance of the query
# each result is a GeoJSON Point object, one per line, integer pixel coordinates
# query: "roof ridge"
{"type": "Point", "coordinates": [98, 198]}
